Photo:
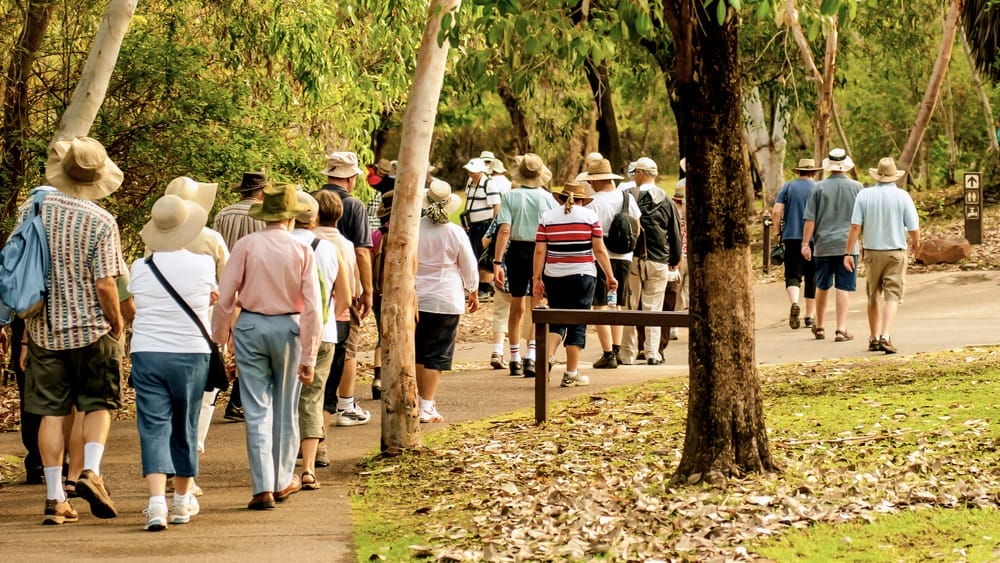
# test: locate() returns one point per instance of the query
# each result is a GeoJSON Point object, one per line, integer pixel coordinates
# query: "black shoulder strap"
{"type": "Point", "coordinates": [625, 202]}
{"type": "Point", "coordinates": [180, 301]}
{"type": "Point", "coordinates": [314, 243]}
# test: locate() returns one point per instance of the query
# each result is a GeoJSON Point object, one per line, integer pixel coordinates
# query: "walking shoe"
{"type": "Point", "coordinates": [292, 488]}
{"type": "Point", "coordinates": [885, 344]}
{"type": "Point", "coordinates": [654, 362]}
{"type": "Point", "coordinates": [485, 297]}
{"type": "Point", "coordinates": [90, 487]}
{"type": "Point", "coordinates": [69, 487]}
{"type": "Point", "coordinates": [497, 361]}
{"type": "Point", "coordinates": [234, 413]}
{"type": "Point", "coordinates": [675, 333]}
{"type": "Point", "coordinates": [618, 355]}
{"type": "Point", "coordinates": [806, 322]}
{"type": "Point", "coordinates": [793, 316]}
{"type": "Point", "coordinates": [322, 460]}
{"type": "Point", "coordinates": [515, 369]}
{"type": "Point", "coordinates": [262, 501]}
{"type": "Point", "coordinates": [156, 519]}
{"type": "Point", "coordinates": [873, 345]}
{"type": "Point", "coordinates": [59, 512]}
{"type": "Point", "coordinates": [431, 415]}
{"type": "Point", "coordinates": [577, 380]}
{"type": "Point", "coordinates": [529, 368]}
{"type": "Point", "coordinates": [606, 361]}
{"type": "Point", "coordinates": [195, 490]}
{"type": "Point", "coordinates": [355, 416]}
{"type": "Point", "coordinates": [377, 389]}
{"type": "Point", "coordinates": [182, 513]}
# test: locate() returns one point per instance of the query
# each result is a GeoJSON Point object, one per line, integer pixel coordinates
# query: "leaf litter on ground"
{"type": "Point", "coordinates": [595, 481]}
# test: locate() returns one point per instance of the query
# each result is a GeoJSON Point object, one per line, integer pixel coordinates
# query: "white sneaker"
{"type": "Point", "coordinates": [431, 415]}
{"type": "Point", "coordinates": [675, 333]}
{"type": "Point", "coordinates": [578, 380]}
{"type": "Point", "coordinates": [355, 416]}
{"type": "Point", "coordinates": [156, 519]}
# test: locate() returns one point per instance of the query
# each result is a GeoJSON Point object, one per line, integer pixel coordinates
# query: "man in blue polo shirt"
{"type": "Point", "coordinates": [788, 210]}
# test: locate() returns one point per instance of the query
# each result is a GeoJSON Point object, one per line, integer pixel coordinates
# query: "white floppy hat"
{"type": "Point", "coordinates": [838, 161]}
{"type": "Point", "coordinates": [80, 167]}
{"type": "Point", "coordinates": [342, 164]}
{"type": "Point", "coordinates": [189, 190]}
{"type": "Point", "coordinates": [173, 223]}
{"type": "Point", "coordinates": [439, 192]}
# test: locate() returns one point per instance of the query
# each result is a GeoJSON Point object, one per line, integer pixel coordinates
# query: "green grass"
{"type": "Point", "coordinates": [854, 434]}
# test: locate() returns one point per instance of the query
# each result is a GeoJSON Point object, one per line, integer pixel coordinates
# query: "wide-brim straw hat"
{"type": "Point", "coordinates": [838, 161]}
{"type": "Point", "coordinates": [80, 167]}
{"type": "Point", "coordinates": [886, 172]}
{"type": "Point", "coordinates": [807, 165]}
{"type": "Point", "coordinates": [252, 181]}
{"type": "Point", "coordinates": [581, 191]}
{"type": "Point", "coordinates": [439, 192]}
{"type": "Point", "coordinates": [599, 170]}
{"type": "Point", "coordinates": [342, 164]}
{"type": "Point", "coordinates": [531, 172]}
{"type": "Point", "coordinates": [280, 203]}
{"type": "Point", "coordinates": [173, 223]}
{"type": "Point", "coordinates": [190, 190]}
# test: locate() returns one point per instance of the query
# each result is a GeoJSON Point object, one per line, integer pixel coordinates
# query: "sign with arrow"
{"type": "Point", "coordinates": [973, 202]}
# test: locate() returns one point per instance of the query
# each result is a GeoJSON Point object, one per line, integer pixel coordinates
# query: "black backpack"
{"type": "Point", "coordinates": [623, 232]}
{"type": "Point", "coordinates": [660, 240]}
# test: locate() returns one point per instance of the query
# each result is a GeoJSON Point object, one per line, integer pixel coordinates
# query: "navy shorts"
{"type": "Point", "coordinates": [434, 339]}
{"type": "Point", "coordinates": [830, 271]}
{"type": "Point", "coordinates": [570, 292]}
{"type": "Point", "coordinates": [520, 260]}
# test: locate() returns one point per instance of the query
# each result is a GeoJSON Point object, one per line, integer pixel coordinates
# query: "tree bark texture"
{"type": "Point", "coordinates": [933, 92]}
{"type": "Point", "coordinates": [400, 407]}
{"type": "Point", "coordinates": [522, 141]}
{"type": "Point", "coordinates": [725, 432]}
{"type": "Point", "coordinates": [79, 116]}
{"type": "Point", "coordinates": [608, 142]}
{"type": "Point", "coordinates": [15, 102]}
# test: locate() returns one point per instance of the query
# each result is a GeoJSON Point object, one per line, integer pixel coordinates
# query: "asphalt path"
{"type": "Point", "coordinates": [941, 311]}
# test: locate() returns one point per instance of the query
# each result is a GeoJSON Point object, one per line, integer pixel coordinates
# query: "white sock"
{"type": "Point", "coordinates": [345, 403]}
{"type": "Point", "coordinates": [498, 348]}
{"type": "Point", "coordinates": [515, 353]}
{"type": "Point", "coordinates": [158, 501]}
{"type": "Point", "coordinates": [54, 484]}
{"type": "Point", "coordinates": [426, 405]}
{"type": "Point", "coordinates": [179, 500]}
{"type": "Point", "coordinates": [570, 373]}
{"type": "Point", "coordinates": [92, 454]}
{"type": "Point", "coordinates": [531, 350]}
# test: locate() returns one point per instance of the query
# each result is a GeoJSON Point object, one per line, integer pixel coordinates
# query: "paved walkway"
{"type": "Point", "coordinates": [942, 311]}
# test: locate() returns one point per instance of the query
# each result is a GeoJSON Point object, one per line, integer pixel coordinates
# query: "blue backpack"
{"type": "Point", "coordinates": [24, 265]}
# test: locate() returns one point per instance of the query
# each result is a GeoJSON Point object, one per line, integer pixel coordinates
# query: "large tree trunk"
{"type": "Point", "coordinates": [93, 86]}
{"type": "Point", "coordinates": [725, 433]}
{"type": "Point", "coordinates": [608, 142]}
{"type": "Point", "coordinates": [767, 145]}
{"type": "Point", "coordinates": [400, 408]}
{"type": "Point", "coordinates": [13, 131]}
{"type": "Point", "coordinates": [517, 119]}
{"type": "Point", "coordinates": [933, 88]}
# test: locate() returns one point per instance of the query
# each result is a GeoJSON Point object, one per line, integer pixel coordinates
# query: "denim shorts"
{"type": "Point", "coordinates": [168, 391]}
{"type": "Point", "coordinates": [830, 270]}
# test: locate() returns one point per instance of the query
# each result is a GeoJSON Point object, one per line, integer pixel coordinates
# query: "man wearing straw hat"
{"type": "Point", "coordinates": [881, 215]}
{"type": "Point", "coordinates": [75, 344]}
{"type": "Point", "coordinates": [276, 335]}
{"type": "Point", "coordinates": [787, 213]}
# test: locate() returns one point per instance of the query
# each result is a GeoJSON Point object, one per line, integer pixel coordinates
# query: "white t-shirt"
{"type": "Point", "coordinates": [607, 205]}
{"type": "Point", "coordinates": [326, 262]}
{"type": "Point", "coordinates": [160, 324]}
{"type": "Point", "coordinates": [446, 268]}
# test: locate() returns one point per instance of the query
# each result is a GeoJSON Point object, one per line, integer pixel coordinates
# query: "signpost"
{"type": "Point", "coordinates": [973, 203]}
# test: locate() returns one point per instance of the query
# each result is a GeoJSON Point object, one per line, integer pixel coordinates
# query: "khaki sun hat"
{"type": "Point", "coordinates": [173, 223]}
{"type": "Point", "coordinates": [189, 190]}
{"type": "Point", "coordinates": [838, 161]}
{"type": "Point", "coordinates": [80, 167]}
{"type": "Point", "coordinates": [311, 215]}
{"type": "Point", "coordinates": [647, 165]}
{"type": "Point", "coordinates": [807, 165]}
{"type": "Point", "coordinates": [342, 164]}
{"type": "Point", "coordinates": [599, 170]}
{"type": "Point", "coordinates": [531, 172]}
{"type": "Point", "coordinates": [886, 173]}
{"type": "Point", "coordinates": [497, 167]}
{"type": "Point", "coordinates": [439, 192]}
{"type": "Point", "coordinates": [280, 203]}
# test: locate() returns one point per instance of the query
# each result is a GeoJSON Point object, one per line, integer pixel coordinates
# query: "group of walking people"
{"type": "Point", "coordinates": [827, 225]}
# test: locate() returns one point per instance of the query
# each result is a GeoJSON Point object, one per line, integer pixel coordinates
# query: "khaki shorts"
{"type": "Point", "coordinates": [311, 399]}
{"type": "Point", "coordinates": [355, 336]}
{"type": "Point", "coordinates": [886, 271]}
{"type": "Point", "coordinates": [88, 378]}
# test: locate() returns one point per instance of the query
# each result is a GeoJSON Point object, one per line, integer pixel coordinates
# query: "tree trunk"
{"type": "Point", "coordinates": [400, 408]}
{"type": "Point", "coordinates": [608, 142]}
{"type": "Point", "coordinates": [766, 146]}
{"type": "Point", "coordinates": [984, 99]}
{"type": "Point", "coordinates": [933, 88]}
{"type": "Point", "coordinates": [517, 119]}
{"type": "Point", "coordinates": [821, 123]}
{"type": "Point", "coordinates": [725, 432]}
{"type": "Point", "coordinates": [90, 91]}
{"type": "Point", "coordinates": [13, 131]}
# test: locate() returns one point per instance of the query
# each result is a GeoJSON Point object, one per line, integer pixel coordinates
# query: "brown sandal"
{"type": "Point", "coordinates": [843, 336]}
{"type": "Point", "coordinates": [309, 482]}
{"type": "Point", "coordinates": [818, 332]}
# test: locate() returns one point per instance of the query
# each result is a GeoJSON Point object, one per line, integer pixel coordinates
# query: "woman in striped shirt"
{"type": "Point", "coordinates": [568, 243]}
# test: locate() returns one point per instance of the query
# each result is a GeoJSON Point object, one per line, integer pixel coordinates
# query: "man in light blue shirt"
{"type": "Point", "coordinates": [882, 216]}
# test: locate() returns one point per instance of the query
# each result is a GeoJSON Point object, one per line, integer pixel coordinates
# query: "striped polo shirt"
{"type": "Point", "coordinates": [234, 222]}
{"type": "Point", "coordinates": [569, 239]}
{"type": "Point", "coordinates": [85, 246]}
{"type": "Point", "coordinates": [480, 199]}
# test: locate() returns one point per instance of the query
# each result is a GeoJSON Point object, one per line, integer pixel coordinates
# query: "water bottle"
{"type": "Point", "coordinates": [612, 298]}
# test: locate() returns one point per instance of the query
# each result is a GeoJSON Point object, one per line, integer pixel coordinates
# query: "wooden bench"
{"type": "Point", "coordinates": [544, 317]}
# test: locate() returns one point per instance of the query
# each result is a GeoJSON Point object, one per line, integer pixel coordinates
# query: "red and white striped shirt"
{"type": "Point", "coordinates": [569, 239]}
